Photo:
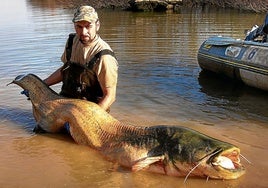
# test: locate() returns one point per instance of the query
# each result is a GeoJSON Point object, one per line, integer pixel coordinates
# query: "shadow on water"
{"type": "Point", "coordinates": [24, 119]}
{"type": "Point", "coordinates": [20, 117]}
{"type": "Point", "coordinates": [231, 94]}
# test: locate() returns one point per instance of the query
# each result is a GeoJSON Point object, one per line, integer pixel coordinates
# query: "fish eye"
{"type": "Point", "coordinates": [207, 149]}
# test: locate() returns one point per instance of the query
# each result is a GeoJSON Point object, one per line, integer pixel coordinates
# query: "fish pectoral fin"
{"type": "Point", "coordinates": [38, 129]}
{"type": "Point", "coordinates": [145, 162]}
{"type": "Point", "coordinates": [49, 125]}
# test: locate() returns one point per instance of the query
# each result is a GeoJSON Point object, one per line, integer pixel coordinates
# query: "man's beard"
{"type": "Point", "coordinates": [85, 39]}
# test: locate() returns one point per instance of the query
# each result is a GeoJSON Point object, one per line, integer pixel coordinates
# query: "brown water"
{"type": "Point", "coordinates": [159, 83]}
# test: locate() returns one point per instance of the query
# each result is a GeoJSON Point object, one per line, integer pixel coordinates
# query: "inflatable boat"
{"type": "Point", "coordinates": [245, 60]}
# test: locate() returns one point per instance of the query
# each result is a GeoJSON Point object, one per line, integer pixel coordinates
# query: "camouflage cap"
{"type": "Point", "coordinates": [86, 13]}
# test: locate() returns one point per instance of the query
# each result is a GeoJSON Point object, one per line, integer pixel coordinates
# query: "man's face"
{"type": "Point", "coordinates": [86, 30]}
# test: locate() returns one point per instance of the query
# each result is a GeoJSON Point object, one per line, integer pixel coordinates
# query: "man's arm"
{"type": "Point", "coordinates": [107, 75]}
{"type": "Point", "coordinates": [109, 96]}
{"type": "Point", "coordinates": [54, 78]}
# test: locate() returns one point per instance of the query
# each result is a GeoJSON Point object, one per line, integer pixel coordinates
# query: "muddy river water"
{"type": "Point", "coordinates": [160, 82]}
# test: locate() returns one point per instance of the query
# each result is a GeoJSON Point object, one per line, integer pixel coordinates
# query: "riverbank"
{"type": "Point", "coordinates": [258, 6]}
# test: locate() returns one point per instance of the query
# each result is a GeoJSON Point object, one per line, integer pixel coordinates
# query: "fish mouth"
{"type": "Point", "coordinates": [220, 164]}
{"type": "Point", "coordinates": [227, 161]}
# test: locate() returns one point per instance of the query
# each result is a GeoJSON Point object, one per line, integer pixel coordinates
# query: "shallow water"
{"type": "Point", "coordinates": [159, 83]}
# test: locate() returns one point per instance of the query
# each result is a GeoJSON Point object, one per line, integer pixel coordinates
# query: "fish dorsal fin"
{"type": "Point", "coordinates": [145, 162]}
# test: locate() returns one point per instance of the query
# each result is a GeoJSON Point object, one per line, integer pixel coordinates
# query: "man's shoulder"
{"type": "Point", "coordinates": [102, 44]}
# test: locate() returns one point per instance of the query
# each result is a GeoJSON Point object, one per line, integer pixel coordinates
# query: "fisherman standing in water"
{"type": "Point", "coordinates": [90, 69]}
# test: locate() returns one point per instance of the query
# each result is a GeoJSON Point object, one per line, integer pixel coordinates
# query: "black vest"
{"type": "Point", "coordinates": [80, 81]}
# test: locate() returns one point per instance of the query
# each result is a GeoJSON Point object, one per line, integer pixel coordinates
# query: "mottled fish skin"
{"type": "Point", "coordinates": [170, 150]}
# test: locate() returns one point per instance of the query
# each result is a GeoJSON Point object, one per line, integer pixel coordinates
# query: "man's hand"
{"type": "Point", "coordinates": [26, 93]}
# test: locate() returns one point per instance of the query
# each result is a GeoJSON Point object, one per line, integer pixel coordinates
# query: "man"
{"type": "Point", "coordinates": [257, 31]}
{"type": "Point", "coordinates": [90, 67]}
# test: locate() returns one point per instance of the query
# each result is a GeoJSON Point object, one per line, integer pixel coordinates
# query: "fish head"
{"type": "Point", "coordinates": [191, 153]}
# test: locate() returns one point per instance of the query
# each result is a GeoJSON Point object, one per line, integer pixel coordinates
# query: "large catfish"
{"type": "Point", "coordinates": [170, 150]}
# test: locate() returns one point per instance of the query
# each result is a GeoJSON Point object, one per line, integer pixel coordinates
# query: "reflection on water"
{"type": "Point", "coordinates": [159, 82]}
{"type": "Point", "coordinates": [233, 96]}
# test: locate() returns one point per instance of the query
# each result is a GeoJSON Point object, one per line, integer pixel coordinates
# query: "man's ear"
{"type": "Point", "coordinates": [98, 25]}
